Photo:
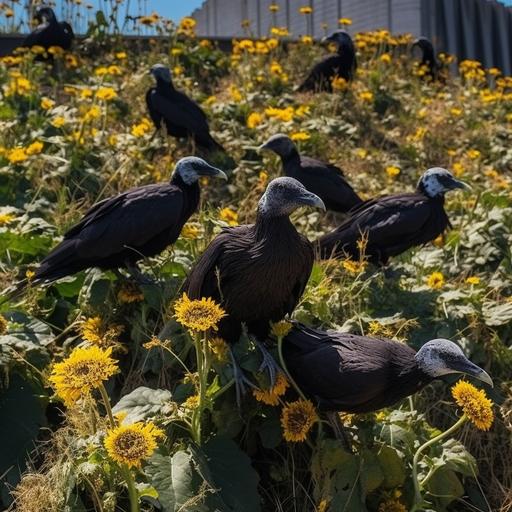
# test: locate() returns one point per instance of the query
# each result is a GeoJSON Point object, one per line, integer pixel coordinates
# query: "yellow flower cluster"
{"type": "Point", "coordinates": [132, 444]}
{"type": "Point", "coordinates": [83, 371]}
{"type": "Point", "coordinates": [271, 395]}
{"type": "Point", "coordinates": [140, 129]}
{"type": "Point", "coordinates": [229, 215]}
{"type": "Point", "coordinates": [474, 403]}
{"type": "Point", "coordinates": [297, 418]}
{"type": "Point", "coordinates": [198, 315]}
{"type": "Point", "coordinates": [18, 85]}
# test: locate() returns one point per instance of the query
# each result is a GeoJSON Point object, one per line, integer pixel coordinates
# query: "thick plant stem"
{"type": "Point", "coordinates": [420, 450]}
{"type": "Point", "coordinates": [132, 491]}
{"type": "Point", "coordinates": [202, 370]}
{"type": "Point", "coordinates": [106, 402]}
{"type": "Point", "coordinates": [285, 369]}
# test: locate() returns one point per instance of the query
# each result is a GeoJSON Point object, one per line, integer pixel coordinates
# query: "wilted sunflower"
{"type": "Point", "coordinates": [271, 396]}
{"type": "Point", "coordinates": [84, 370]}
{"type": "Point", "coordinates": [392, 505]}
{"type": "Point", "coordinates": [198, 315]}
{"type": "Point", "coordinates": [219, 348]}
{"type": "Point", "coordinates": [3, 325]}
{"type": "Point", "coordinates": [129, 292]}
{"type": "Point", "coordinates": [131, 444]}
{"type": "Point", "coordinates": [474, 403]}
{"type": "Point", "coordinates": [297, 418]}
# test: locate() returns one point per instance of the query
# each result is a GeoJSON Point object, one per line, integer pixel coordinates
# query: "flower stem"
{"type": "Point", "coordinates": [285, 369]}
{"type": "Point", "coordinates": [106, 403]}
{"type": "Point", "coordinates": [420, 450]}
{"type": "Point", "coordinates": [202, 370]}
{"type": "Point", "coordinates": [132, 490]}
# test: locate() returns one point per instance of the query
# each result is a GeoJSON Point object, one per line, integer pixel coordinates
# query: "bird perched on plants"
{"type": "Point", "coordinates": [325, 180]}
{"type": "Point", "coordinates": [182, 116]}
{"type": "Point", "coordinates": [389, 225]}
{"type": "Point", "coordinates": [119, 231]}
{"type": "Point", "coordinates": [358, 374]}
{"type": "Point", "coordinates": [341, 65]}
{"type": "Point", "coordinates": [50, 32]}
{"type": "Point", "coordinates": [428, 58]}
{"type": "Point", "coordinates": [258, 272]}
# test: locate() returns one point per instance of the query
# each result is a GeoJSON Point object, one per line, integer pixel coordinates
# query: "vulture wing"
{"type": "Point", "coordinates": [113, 225]}
{"type": "Point", "coordinates": [328, 181]}
{"type": "Point", "coordinates": [180, 110]}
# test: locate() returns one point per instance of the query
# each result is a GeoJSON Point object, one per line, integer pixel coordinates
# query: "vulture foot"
{"type": "Point", "coordinates": [241, 381]}
{"type": "Point", "coordinates": [339, 431]}
{"type": "Point", "coordinates": [138, 276]}
{"type": "Point", "coordinates": [268, 363]}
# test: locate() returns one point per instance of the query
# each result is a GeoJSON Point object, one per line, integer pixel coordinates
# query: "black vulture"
{"type": "Point", "coordinates": [325, 180]}
{"type": "Point", "coordinates": [182, 116]}
{"type": "Point", "coordinates": [394, 223]}
{"type": "Point", "coordinates": [258, 272]}
{"type": "Point", "coordinates": [119, 231]}
{"type": "Point", "coordinates": [358, 374]}
{"type": "Point", "coordinates": [343, 64]}
{"type": "Point", "coordinates": [50, 32]}
{"type": "Point", "coordinates": [428, 58]}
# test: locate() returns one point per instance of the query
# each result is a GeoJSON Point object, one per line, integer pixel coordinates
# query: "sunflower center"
{"type": "Point", "coordinates": [131, 445]}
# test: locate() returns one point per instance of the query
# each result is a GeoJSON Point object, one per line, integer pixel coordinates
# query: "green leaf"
{"type": "Point", "coordinates": [143, 403]}
{"type": "Point", "coordinates": [445, 487]}
{"type": "Point", "coordinates": [393, 465]}
{"type": "Point", "coordinates": [159, 472]}
{"type": "Point", "coordinates": [23, 414]}
{"type": "Point", "coordinates": [372, 474]}
{"type": "Point", "coordinates": [225, 460]}
{"type": "Point", "coordinates": [497, 314]}
{"type": "Point", "coordinates": [336, 474]}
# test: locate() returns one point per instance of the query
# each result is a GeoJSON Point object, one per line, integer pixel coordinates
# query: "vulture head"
{"type": "Point", "coordinates": [426, 48]}
{"type": "Point", "coordinates": [284, 195]}
{"type": "Point", "coordinates": [341, 38]}
{"type": "Point", "coordinates": [443, 357]}
{"type": "Point", "coordinates": [43, 12]}
{"type": "Point", "coordinates": [161, 72]}
{"type": "Point", "coordinates": [280, 144]}
{"type": "Point", "coordinates": [437, 181]}
{"type": "Point", "coordinates": [191, 168]}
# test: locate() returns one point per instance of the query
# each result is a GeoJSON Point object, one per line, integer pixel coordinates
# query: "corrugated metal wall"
{"type": "Point", "coordinates": [474, 29]}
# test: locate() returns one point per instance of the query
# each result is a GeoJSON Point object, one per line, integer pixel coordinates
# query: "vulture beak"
{"type": "Point", "coordinates": [265, 145]}
{"type": "Point", "coordinates": [468, 368]}
{"type": "Point", "coordinates": [310, 199]}
{"type": "Point", "coordinates": [327, 39]}
{"type": "Point", "coordinates": [212, 172]}
{"type": "Point", "coordinates": [460, 184]}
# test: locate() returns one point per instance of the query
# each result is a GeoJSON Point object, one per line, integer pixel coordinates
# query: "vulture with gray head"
{"type": "Point", "coordinates": [119, 231]}
{"type": "Point", "coordinates": [325, 180]}
{"type": "Point", "coordinates": [358, 374]}
{"type": "Point", "coordinates": [182, 116]}
{"type": "Point", "coordinates": [50, 32]}
{"type": "Point", "coordinates": [395, 223]}
{"type": "Point", "coordinates": [428, 57]}
{"type": "Point", "coordinates": [342, 65]}
{"type": "Point", "coordinates": [258, 272]}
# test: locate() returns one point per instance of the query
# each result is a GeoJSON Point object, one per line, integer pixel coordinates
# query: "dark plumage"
{"type": "Point", "coordinates": [357, 374]}
{"type": "Point", "coordinates": [343, 65]}
{"type": "Point", "coordinates": [428, 57]}
{"type": "Point", "coordinates": [325, 180]}
{"type": "Point", "coordinates": [392, 224]}
{"type": "Point", "coordinates": [258, 272]}
{"type": "Point", "coordinates": [50, 32]}
{"type": "Point", "coordinates": [119, 231]}
{"type": "Point", "coordinates": [182, 116]}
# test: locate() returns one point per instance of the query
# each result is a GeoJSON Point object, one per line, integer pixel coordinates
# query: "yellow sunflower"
{"type": "Point", "coordinates": [297, 418]}
{"type": "Point", "coordinates": [131, 444]}
{"type": "Point", "coordinates": [271, 396]}
{"type": "Point", "coordinates": [84, 370]}
{"type": "Point", "coordinates": [474, 403]}
{"type": "Point", "coordinates": [198, 315]}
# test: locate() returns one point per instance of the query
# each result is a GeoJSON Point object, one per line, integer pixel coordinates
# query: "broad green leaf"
{"type": "Point", "coordinates": [393, 465]}
{"type": "Point", "coordinates": [143, 403]}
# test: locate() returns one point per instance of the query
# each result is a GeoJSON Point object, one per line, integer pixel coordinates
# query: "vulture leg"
{"type": "Point", "coordinates": [339, 431]}
{"type": "Point", "coordinates": [240, 379]}
{"type": "Point", "coordinates": [137, 275]}
{"type": "Point", "coordinates": [268, 363]}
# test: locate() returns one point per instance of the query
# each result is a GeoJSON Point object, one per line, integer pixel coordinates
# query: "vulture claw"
{"type": "Point", "coordinates": [241, 381]}
{"type": "Point", "coordinates": [268, 363]}
{"type": "Point", "coordinates": [339, 432]}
